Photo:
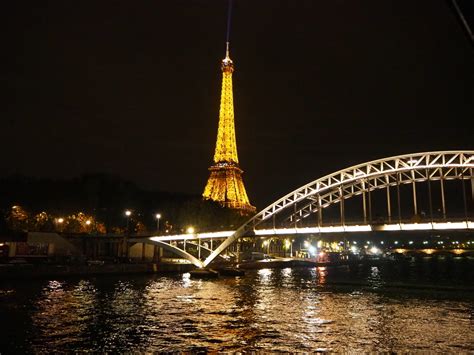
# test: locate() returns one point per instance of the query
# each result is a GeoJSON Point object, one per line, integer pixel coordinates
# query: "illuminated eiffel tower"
{"type": "Point", "coordinates": [225, 184]}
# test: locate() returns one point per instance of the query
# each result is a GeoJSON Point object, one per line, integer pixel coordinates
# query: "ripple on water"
{"type": "Point", "coordinates": [267, 310]}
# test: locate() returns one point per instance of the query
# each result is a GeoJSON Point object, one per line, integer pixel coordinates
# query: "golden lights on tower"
{"type": "Point", "coordinates": [225, 184]}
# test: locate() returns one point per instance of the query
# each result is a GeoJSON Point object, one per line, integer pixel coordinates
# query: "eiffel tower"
{"type": "Point", "coordinates": [225, 184]}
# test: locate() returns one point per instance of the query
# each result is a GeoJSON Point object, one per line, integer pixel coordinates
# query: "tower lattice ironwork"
{"type": "Point", "coordinates": [225, 184]}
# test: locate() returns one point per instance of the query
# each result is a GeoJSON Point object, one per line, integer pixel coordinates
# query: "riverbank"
{"type": "Point", "coordinates": [41, 270]}
{"type": "Point", "coordinates": [287, 262]}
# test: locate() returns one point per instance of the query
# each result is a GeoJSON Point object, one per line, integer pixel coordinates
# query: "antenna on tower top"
{"type": "Point", "coordinates": [229, 17]}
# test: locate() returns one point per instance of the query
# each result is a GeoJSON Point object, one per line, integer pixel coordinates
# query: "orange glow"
{"type": "Point", "coordinates": [225, 184]}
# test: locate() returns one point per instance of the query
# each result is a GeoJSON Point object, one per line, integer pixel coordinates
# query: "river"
{"type": "Point", "coordinates": [417, 305]}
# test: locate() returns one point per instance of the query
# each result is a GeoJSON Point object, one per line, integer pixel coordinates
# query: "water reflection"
{"type": "Point", "coordinates": [186, 279]}
{"type": "Point", "coordinates": [63, 313]}
{"type": "Point", "coordinates": [265, 275]}
{"type": "Point", "coordinates": [321, 273]}
{"type": "Point", "coordinates": [283, 310]}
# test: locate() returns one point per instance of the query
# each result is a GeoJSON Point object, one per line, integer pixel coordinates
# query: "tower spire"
{"type": "Point", "coordinates": [225, 184]}
{"type": "Point", "coordinates": [229, 17]}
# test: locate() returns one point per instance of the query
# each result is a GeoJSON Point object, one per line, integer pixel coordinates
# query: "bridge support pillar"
{"type": "Point", "coordinates": [370, 201]}
{"type": "Point", "coordinates": [341, 194]}
{"type": "Point", "coordinates": [320, 212]}
{"type": "Point", "coordinates": [389, 207]}
{"type": "Point", "coordinates": [443, 202]}
{"type": "Point", "coordinates": [430, 200]}
{"type": "Point", "coordinates": [294, 215]}
{"type": "Point", "coordinates": [398, 200]}
{"type": "Point", "coordinates": [199, 249]}
{"type": "Point", "coordinates": [464, 195]}
{"type": "Point", "coordinates": [413, 184]}
{"type": "Point", "coordinates": [472, 185]}
{"type": "Point", "coordinates": [364, 202]}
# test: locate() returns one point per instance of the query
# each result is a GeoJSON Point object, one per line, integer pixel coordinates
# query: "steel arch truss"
{"type": "Point", "coordinates": [356, 180]}
{"type": "Point", "coordinates": [168, 246]}
{"type": "Point", "coordinates": [173, 247]}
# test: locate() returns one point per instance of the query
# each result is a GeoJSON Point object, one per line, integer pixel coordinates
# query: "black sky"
{"type": "Point", "coordinates": [132, 87]}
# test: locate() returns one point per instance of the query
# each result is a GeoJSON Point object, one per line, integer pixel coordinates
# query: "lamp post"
{"type": "Point", "coordinates": [88, 224]}
{"type": "Point", "coordinates": [191, 230]}
{"type": "Point", "coordinates": [60, 224]}
{"type": "Point", "coordinates": [158, 216]}
{"type": "Point", "coordinates": [128, 213]}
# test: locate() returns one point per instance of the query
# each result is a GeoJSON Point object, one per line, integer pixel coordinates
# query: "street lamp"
{"type": "Point", "coordinates": [60, 223]}
{"type": "Point", "coordinates": [158, 216]}
{"type": "Point", "coordinates": [128, 213]}
{"type": "Point", "coordinates": [88, 225]}
{"type": "Point", "coordinates": [190, 230]}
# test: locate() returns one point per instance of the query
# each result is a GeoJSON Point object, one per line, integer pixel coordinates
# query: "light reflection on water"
{"type": "Point", "coordinates": [269, 309]}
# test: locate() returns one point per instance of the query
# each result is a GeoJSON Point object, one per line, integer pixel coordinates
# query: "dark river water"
{"type": "Point", "coordinates": [418, 305]}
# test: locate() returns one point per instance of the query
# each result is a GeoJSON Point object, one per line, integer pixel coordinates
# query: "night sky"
{"type": "Point", "coordinates": [132, 88]}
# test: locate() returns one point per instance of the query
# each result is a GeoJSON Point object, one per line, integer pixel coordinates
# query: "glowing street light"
{"type": "Point", "coordinates": [60, 221]}
{"type": "Point", "coordinates": [158, 216]}
{"type": "Point", "coordinates": [88, 222]}
{"type": "Point", "coordinates": [190, 230]}
{"type": "Point", "coordinates": [128, 213]}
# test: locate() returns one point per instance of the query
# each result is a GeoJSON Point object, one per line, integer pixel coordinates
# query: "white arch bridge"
{"type": "Point", "coordinates": [302, 210]}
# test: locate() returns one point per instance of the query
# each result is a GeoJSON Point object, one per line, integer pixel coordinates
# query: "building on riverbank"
{"type": "Point", "coordinates": [70, 248]}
